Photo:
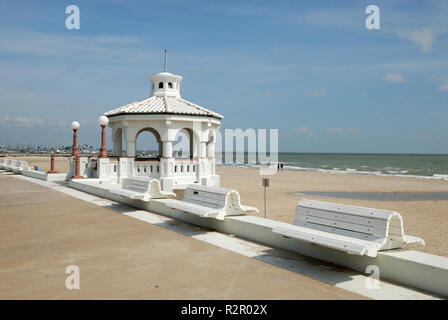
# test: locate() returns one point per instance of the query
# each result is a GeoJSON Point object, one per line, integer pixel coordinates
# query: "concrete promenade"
{"type": "Point", "coordinates": [42, 231]}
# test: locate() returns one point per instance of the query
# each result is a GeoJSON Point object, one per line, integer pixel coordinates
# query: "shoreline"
{"type": "Point", "coordinates": [435, 176]}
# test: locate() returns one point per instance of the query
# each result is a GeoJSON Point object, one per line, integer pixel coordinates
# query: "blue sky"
{"type": "Point", "coordinates": [309, 68]}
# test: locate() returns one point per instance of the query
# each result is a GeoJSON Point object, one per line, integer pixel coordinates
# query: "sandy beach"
{"type": "Point", "coordinates": [426, 219]}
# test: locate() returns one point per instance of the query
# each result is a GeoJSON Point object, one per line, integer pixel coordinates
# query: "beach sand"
{"type": "Point", "coordinates": [61, 163]}
{"type": "Point", "coordinates": [426, 219]}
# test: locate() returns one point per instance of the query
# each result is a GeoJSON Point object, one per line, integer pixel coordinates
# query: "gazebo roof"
{"type": "Point", "coordinates": [163, 105]}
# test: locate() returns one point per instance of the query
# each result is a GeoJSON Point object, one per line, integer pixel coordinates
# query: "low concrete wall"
{"type": "Point", "coordinates": [409, 267]}
{"type": "Point", "coordinates": [42, 175]}
{"type": "Point", "coordinates": [58, 177]}
{"type": "Point", "coordinates": [35, 174]}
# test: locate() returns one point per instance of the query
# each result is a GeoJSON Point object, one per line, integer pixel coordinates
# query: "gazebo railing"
{"type": "Point", "coordinates": [149, 168]}
{"type": "Point", "coordinates": [184, 170]}
{"type": "Point", "coordinates": [185, 167]}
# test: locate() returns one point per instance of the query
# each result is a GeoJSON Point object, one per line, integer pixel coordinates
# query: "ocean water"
{"type": "Point", "coordinates": [432, 166]}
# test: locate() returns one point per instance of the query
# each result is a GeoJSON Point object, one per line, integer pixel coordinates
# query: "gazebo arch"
{"type": "Point", "coordinates": [156, 135]}
{"type": "Point", "coordinates": [191, 140]}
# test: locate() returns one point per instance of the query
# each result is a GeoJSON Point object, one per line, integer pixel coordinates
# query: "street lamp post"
{"type": "Point", "coordinates": [52, 170]}
{"type": "Point", "coordinates": [265, 183]}
{"type": "Point", "coordinates": [77, 164]}
{"type": "Point", "coordinates": [103, 121]}
{"type": "Point", "coordinates": [75, 127]}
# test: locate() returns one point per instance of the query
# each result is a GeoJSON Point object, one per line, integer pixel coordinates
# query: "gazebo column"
{"type": "Point", "coordinates": [167, 166]}
{"type": "Point", "coordinates": [167, 149]}
{"type": "Point", "coordinates": [202, 175]}
{"type": "Point", "coordinates": [211, 156]}
{"type": "Point", "coordinates": [210, 178]}
{"type": "Point", "coordinates": [130, 148]}
{"type": "Point", "coordinates": [203, 153]}
{"type": "Point", "coordinates": [211, 150]}
{"type": "Point", "coordinates": [130, 134]}
{"type": "Point", "coordinates": [117, 139]}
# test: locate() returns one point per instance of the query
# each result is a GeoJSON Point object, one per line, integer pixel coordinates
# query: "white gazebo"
{"type": "Point", "coordinates": [164, 114]}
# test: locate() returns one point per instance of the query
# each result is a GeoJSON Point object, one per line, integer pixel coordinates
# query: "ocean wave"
{"type": "Point", "coordinates": [386, 173]}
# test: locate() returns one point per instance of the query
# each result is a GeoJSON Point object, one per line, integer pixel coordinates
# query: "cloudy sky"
{"type": "Point", "coordinates": [309, 68]}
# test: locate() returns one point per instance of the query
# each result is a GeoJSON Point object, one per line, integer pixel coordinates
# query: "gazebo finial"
{"type": "Point", "coordinates": [166, 61]}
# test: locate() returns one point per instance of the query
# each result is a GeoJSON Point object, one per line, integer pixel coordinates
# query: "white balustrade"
{"type": "Point", "coordinates": [149, 168]}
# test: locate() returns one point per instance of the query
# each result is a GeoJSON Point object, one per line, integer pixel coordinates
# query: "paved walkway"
{"type": "Point", "coordinates": [42, 231]}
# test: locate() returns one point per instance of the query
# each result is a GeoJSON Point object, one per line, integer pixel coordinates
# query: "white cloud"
{"type": "Point", "coordinates": [394, 77]}
{"type": "Point", "coordinates": [27, 122]}
{"type": "Point", "coordinates": [341, 131]}
{"type": "Point", "coordinates": [301, 130]}
{"type": "Point", "coordinates": [435, 115]}
{"type": "Point", "coordinates": [411, 65]}
{"type": "Point", "coordinates": [424, 37]}
{"type": "Point", "coordinates": [30, 122]}
{"type": "Point", "coordinates": [444, 86]}
{"type": "Point", "coordinates": [443, 83]}
{"type": "Point", "coordinates": [342, 18]}
{"type": "Point", "coordinates": [316, 93]}
{"type": "Point", "coordinates": [102, 47]}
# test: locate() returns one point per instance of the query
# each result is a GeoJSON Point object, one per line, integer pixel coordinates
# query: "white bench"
{"type": "Point", "coordinates": [356, 230]}
{"type": "Point", "coordinates": [19, 166]}
{"type": "Point", "coordinates": [10, 164]}
{"type": "Point", "coordinates": [210, 202]}
{"type": "Point", "coordinates": [141, 188]}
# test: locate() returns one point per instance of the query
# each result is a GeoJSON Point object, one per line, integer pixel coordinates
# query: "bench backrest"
{"type": "Point", "coordinates": [212, 197]}
{"type": "Point", "coordinates": [136, 184]}
{"type": "Point", "coordinates": [10, 164]}
{"type": "Point", "coordinates": [358, 222]}
{"type": "Point", "coordinates": [21, 164]}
